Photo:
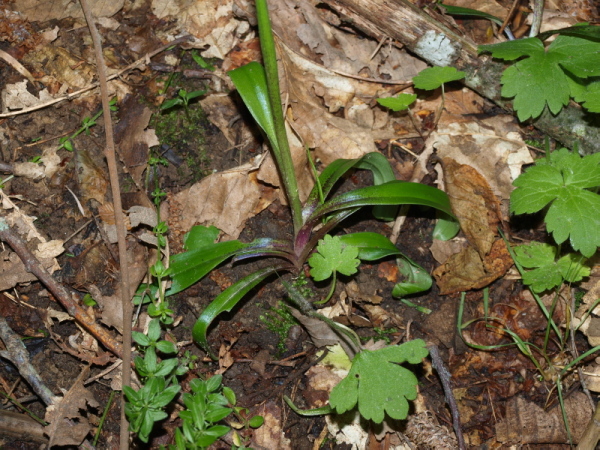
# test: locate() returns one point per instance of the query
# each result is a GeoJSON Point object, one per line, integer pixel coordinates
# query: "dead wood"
{"type": "Point", "coordinates": [424, 34]}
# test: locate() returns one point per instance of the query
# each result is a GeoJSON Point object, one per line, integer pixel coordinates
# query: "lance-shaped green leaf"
{"type": "Point", "coordinates": [391, 193]}
{"type": "Point", "coordinates": [189, 267]}
{"type": "Point", "coordinates": [371, 246]}
{"type": "Point", "coordinates": [199, 236]}
{"type": "Point", "coordinates": [416, 279]}
{"type": "Point", "coordinates": [375, 162]}
{"type": "Point", "coordinates": [267, 247]}
{"type": "Point", "coordinates": [251, 83]}
{"type": "Point", "coordinates": [369, 380]}
{"type": "Point", "coordinates": [228, 299]}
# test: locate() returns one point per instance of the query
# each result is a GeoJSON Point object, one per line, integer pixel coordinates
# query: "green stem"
{"type": "Point", "coordinates": [331, 290]}
{"type": "Point", "coordinates": [283, 155]}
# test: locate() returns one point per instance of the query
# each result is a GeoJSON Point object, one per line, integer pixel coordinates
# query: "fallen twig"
{"type": "Point", "coordinates": [140, 62]}
{"type": "Point", "coordinates": [66, 299]}
{"type": "Point", "coordinates": [113, 173]}
{"type": "Point", "coordinates": [445, 377]}
{"type": "Point", "coordinates": [19, 356]}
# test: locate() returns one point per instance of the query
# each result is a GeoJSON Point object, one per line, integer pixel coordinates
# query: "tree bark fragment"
{"type": "Point", "coordinates": [425, 34]}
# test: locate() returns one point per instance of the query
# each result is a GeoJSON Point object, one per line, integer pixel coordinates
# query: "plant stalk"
{"type": "Point", "coordinates": [282, 154]}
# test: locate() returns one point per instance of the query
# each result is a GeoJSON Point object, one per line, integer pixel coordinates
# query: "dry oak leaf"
{"type": "Point", "coordinates": [466, 270]}
{"type": "Point", "coordinates": [224, 199]}
{"type": "Point", "coordinates": [59, 430]}
{"type": "Point", "coordinates": [527, 423]}
{"type": "Point", "coordinates": [486, 258]}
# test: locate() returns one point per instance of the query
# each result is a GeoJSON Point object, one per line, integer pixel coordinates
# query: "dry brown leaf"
{"type": "Point", "coordinates": [466, 270]}
{"type": "Point", "coordinates": [93, 183]}
{"type": "Point", "coordinates": [58, 64]}
{"type": "Point", "coordinates": [270, 434]}
{"type": "Point", "coordinates": [12, 269]}
{"type": "Point", "coordinates": [16, 96]}
{"type": "Point", "coordinates": [225, 200]}
{"type": "Point", "coordinates": [493, 147]}
{"type": "Point", "coordinates": [37, 11]}
{"type": "Point", "coordinates": [527, 423]}
{"type": "Point", "coordinates": [213, 22]}
{"type": "Point", "coordinates": [473, 203]}
{"type": "Point", "coordinates": [133, 139]}
{"type": "Point", "coordinates": [478, 212]}
{"type": "Point", "coordinates": [67, 425]}
{"type": "Point", "coordinates": [112, 309]}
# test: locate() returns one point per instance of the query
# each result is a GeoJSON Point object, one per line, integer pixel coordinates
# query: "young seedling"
{"type": "Point", "coordinates": [86, 124]}
{"type": "Point", "coordinates": [183, 98]}
{"type": "Point", "coordinates": [428, 79]}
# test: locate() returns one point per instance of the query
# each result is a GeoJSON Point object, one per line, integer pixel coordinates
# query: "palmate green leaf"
{"type": "Point", "coordinates": [540, 80]}
{"type": "Point", "coordinates": [398, 103]}
{"type": "Point", "coordinates": [371, 378]}
{"type": "Point", "coordinates": [333, 256]}
{"type": "Point", "coordinates": [433, 77]}
{"type": "Point", "coordinates": [562, 181]}
{"type": "Point", "coordinates": [547, 272]}
{"type": "Point", "coordinates": [226, 300]}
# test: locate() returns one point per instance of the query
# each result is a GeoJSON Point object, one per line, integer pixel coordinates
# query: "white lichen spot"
{"type": "Point", "coordinates": [579, 130]}
{"type": "Point", "coordinates": [437, 49]}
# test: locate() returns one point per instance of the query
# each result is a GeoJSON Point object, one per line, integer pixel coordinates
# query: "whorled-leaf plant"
{"type": "Point", "coordinates": [258, 87]}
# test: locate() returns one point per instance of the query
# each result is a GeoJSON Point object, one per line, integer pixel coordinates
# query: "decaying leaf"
{"type": "Point", "coordinates": [270, 434]}
{"type": "Point", "coordinates": [473, 203]}
{"type": "Point", "coordinates": [212, 21]}
{"type": "Point", "coordinates": [36, 11]}
{"type": "Point", "coordinates": [16, 96]}
{"type": "Point", "coordinates": [225, 199]}
{"type": "Point", "coordinates": [93, 182]}
{"type": "Point", "coordinates": [112, 309]}
{"type": "Point", "coordinates": [133, 139]}
{"type": "Point", "coordinates": [466, 270]}
{"type": "Point", "coordinates": [493, 147]}
{"type": "Point", "coordinates": [527, 423]}
{"type": "Point", "coordinates": [478, 211]}
{"type": "Point", "coordinates": [60, 65]}
{"type": "Point", "coordinates": [12, 269]}
{"type": "Point", "coordinates": [67, 425]}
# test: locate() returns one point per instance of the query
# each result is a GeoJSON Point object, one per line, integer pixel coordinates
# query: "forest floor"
{"type": "Point", "coordinates": [59, 197]}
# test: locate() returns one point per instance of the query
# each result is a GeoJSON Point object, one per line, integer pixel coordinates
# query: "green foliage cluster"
{"type": "Point", "coordinates": [550, 76]}
{"type": "Point", "coordinates": [279, 320]}
{"type": "Point", "coordinates": [207, 405]}
{"type": "Point", "coordinates": [564, 185]}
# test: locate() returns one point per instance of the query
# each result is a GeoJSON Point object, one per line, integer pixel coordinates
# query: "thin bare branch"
{"type": "Point", "coordinates": [111, 160]}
